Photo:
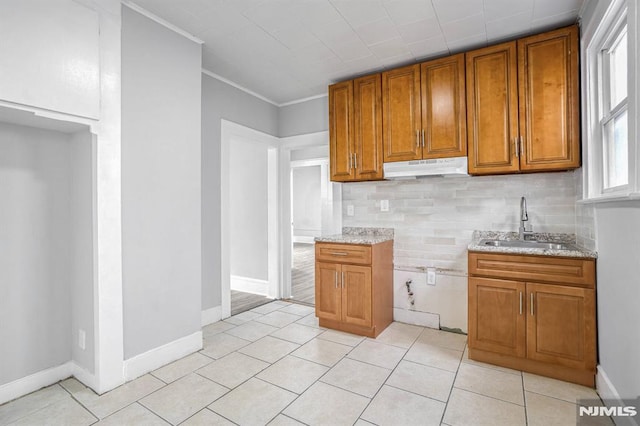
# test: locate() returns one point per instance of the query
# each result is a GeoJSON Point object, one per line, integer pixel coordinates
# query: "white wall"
{"type": "Point", "coordinates": [161, 187]}
{"type": "Point", "coordinates": [307, 202]}
{"type": "Point", "coordinates": [248, 190]}
{"type": "Point", "coordinates": [36, 263]}
{"type": "Point", "coordinates": [302, 118]}
{"type": "Point", "coordinates": [618, 269]}
{"type": "Point", "coordinates": [435, 217]}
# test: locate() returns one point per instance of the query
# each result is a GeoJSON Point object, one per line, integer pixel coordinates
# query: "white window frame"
{"type": "Point", "coordinates": [598, 35]}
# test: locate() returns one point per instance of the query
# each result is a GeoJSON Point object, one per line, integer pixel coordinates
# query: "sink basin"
{"type": "Point", "coordinates": [527, 244]}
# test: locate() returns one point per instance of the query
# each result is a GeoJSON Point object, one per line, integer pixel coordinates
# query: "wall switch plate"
{"type": "Point", "coordinates": [350, 210]}
{"type": "Point", "coordinates": [82, 339]}
{"type": "Point", "coordinates": [384, 205]}
{"type": "Point", "coordinates": [431, 276]}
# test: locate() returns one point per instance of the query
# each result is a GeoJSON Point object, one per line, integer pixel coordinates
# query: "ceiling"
{"type": "Point", "coordinates": [287, 50]}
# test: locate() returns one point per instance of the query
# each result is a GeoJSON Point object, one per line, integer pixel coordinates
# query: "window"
{"type": "Point", "coordinates": [613, 111]}
{"type": "Point", "coordinates": [609, 53]}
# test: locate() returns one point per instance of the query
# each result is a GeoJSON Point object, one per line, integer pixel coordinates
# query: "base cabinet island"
{"type": "Point", "coordinates": [354, 280]}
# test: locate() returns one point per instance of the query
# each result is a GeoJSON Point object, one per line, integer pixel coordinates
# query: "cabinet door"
{"type": "Point", "coordinates": [561, 326]}
{"type": "Point", "coordinates": [444, 117]}
{"type": "Point", "coordinates": [496, 316]}
{"type": "Point", "coordinates": [401, 114]}
{"type": "Point", "coordinates": [549, 105]}
{"type": "Point", "coordinates": [356, 295]}
{"type": "Point", "coordinates": [492, 109]}
{"type": "Point", "coordinates": [328, 291]}
{"type": "Point", "coordinates": [367, 111]}
{"type": "Point", "coordinates": [341, 131]}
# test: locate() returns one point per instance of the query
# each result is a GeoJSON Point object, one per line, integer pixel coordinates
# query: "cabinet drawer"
{"type": "Point", "coordinates": [572, 272]}
{"type": "Point", "coordinates": [343, 253]}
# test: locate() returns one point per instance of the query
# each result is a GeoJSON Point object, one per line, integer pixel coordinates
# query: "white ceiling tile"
{"type": "Point", "coordinates": [274, 14]}
{"type": "Point", "coordinates": [473, 42]}
{"type": "Point", "coordinates": [224, 21]}
{"type": "Point", "coordinates": [453, 10]}
{"type": "Point", "coordinates": [368, 64]}
{"type": "Point", "coordinates": [335, 32]}
{"type": "Point", "coordinates": [359, 12]}
{"type": "Point", "coordinates": [317, 52]}
{"type": "Point", "coordinates": [295, 37]}
{"type": "Point", "coordinates": [499, 9]}
{"type": "Point", "coordinates": [432, 47]}
{"type": "Point", "coordinates": [407, 11]}
{"type": "Point", "coordinates": [377, 31]}
{"type": "Point", "coordinates": [420, 30]}
{"type": "Point", "coordinates": [390, 48]}
{"type": "Point", "coordinates": [399, 61]}
{"type": "Point", "coordinates": [509, 27]}
{"type": "Point", "coordinates": [554, 21]}
{"type": "Point", "coordinates": [463, 28]}
{"type": "Point", "coordinates": [316, 13]}
{"type": "Point", "coordinates": [547, 8]}
{"type": "Point", "coordinates": [242, 5]}
{"type": "Point", "coordinates": [355, 49]}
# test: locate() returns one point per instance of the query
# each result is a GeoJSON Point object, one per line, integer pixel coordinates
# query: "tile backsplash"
{"type": "Point", "coordinates": [435, 217]}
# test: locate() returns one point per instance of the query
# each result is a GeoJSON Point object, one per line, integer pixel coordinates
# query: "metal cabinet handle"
{"type": "Point", "coordinates": [335, 278]}
{"type": "Point", "coordinates": [517, 147]}
{"type": "Point", "coordinates": [350, 161]}
{"type": "Point", "coordinates": [355, 160]}
{"type": "Point", "coordinates": [423, 138]}
{"type": "Point", "coordinates": [342, 280]}
{"type": "Point", "coordinates": [531, 303]}
{"type": "Point", "coordinates": [520, 303]}
{"type": "Point", "coordinates": [417, 138]}
{"type": "Point", "coordinates": [339, 253]}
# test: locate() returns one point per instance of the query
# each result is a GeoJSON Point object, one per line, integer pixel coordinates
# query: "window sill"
{"type": "Point", "coordinates": [632, 196]}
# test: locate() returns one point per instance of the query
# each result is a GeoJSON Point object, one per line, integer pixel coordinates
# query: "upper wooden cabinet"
{"type": "Point", "coordinates": [424, 110]}
{"type": "Point", "coordinates": [355, 129]}
{"type": "Point", "coordinates": [549, 100]}
{"type": "Point", "coordinates": [522, 101]}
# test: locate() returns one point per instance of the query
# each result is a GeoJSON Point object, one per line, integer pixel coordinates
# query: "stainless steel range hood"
{"type": "Point", "coordinates": [422, 168]}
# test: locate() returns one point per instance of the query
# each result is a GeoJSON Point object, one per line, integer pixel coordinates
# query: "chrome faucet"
{"type": "Point", "coordinates": [524, 217]}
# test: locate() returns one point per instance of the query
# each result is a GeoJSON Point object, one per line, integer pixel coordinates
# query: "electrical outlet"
{"type": "Point", "coordinates": [384, 205]}
{"type": "Point", "coordinates": [431, 276]}
{"type": "Point", "coordinates": [82, 339]}
{"type": "Point", "coordinates": [350, 210]}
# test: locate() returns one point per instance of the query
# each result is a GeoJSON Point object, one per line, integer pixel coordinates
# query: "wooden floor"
{"type": "Point", "coordinates": [241, 301]}
{"type": "Point", "coordinates": [303, 274]}
{"type": "Point", "coordinates": [302, 282]}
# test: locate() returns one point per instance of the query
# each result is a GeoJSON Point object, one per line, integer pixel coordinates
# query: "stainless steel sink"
{"type": "Point", "coordinates": [527, 244]}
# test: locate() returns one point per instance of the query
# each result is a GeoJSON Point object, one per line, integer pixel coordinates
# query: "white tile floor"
{"type": "Point", "coordinates": [274, 365]}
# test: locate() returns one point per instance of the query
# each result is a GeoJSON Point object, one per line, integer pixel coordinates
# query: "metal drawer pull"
{"type": "Point", "coordinates": [339, 253]}
{"type": "Point", "coordinates": [532, 303]}
{"type": "Point", "coordinates": [520, 303]}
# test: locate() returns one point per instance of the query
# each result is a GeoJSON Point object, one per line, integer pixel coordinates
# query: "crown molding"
{"type": "Point", "coordinates": [131, 5]}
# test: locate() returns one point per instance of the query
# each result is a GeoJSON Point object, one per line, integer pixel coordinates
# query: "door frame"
{"type": "Point", "coordinates": [229, 131]}
{"type": "Point", "coordinates": [287, 145]}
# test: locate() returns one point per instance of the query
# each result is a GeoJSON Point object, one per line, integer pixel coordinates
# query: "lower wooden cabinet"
{"type": "Point", "coordinates": [354, 287]}
{"type": "Point", "coordinates": [546, 328]}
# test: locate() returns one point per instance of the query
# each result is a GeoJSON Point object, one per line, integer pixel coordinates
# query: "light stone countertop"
{"type": "Point", "coordinates": [546, 237]}
{"type": "Point", "coordinates": [358, 236]}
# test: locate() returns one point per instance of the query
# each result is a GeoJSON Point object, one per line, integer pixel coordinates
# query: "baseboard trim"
{"type": "Point", "coordinates": [35, 381]}
{"type": "Point", "coordinates": [211, 315]}
{"type": "Point", "coordinates": [162, 355]}
{"type": "Point", "coordinates": [250, 285]}
{"type": "Point", "coordinates": [609, 393]}
{"type": "Point", "coordinates": [425, 319]}
{"type": "Point", "coordinates": [85, 377]}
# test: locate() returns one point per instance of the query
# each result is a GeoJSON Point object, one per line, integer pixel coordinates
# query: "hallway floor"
{"type": "Point", "coordinates": [274, 365]}
{"type": "Point", "coordinates": [303, 273]}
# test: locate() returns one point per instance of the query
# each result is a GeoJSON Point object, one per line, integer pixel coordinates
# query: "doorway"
{"type": "Point", "coordinates": [249, 213]}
